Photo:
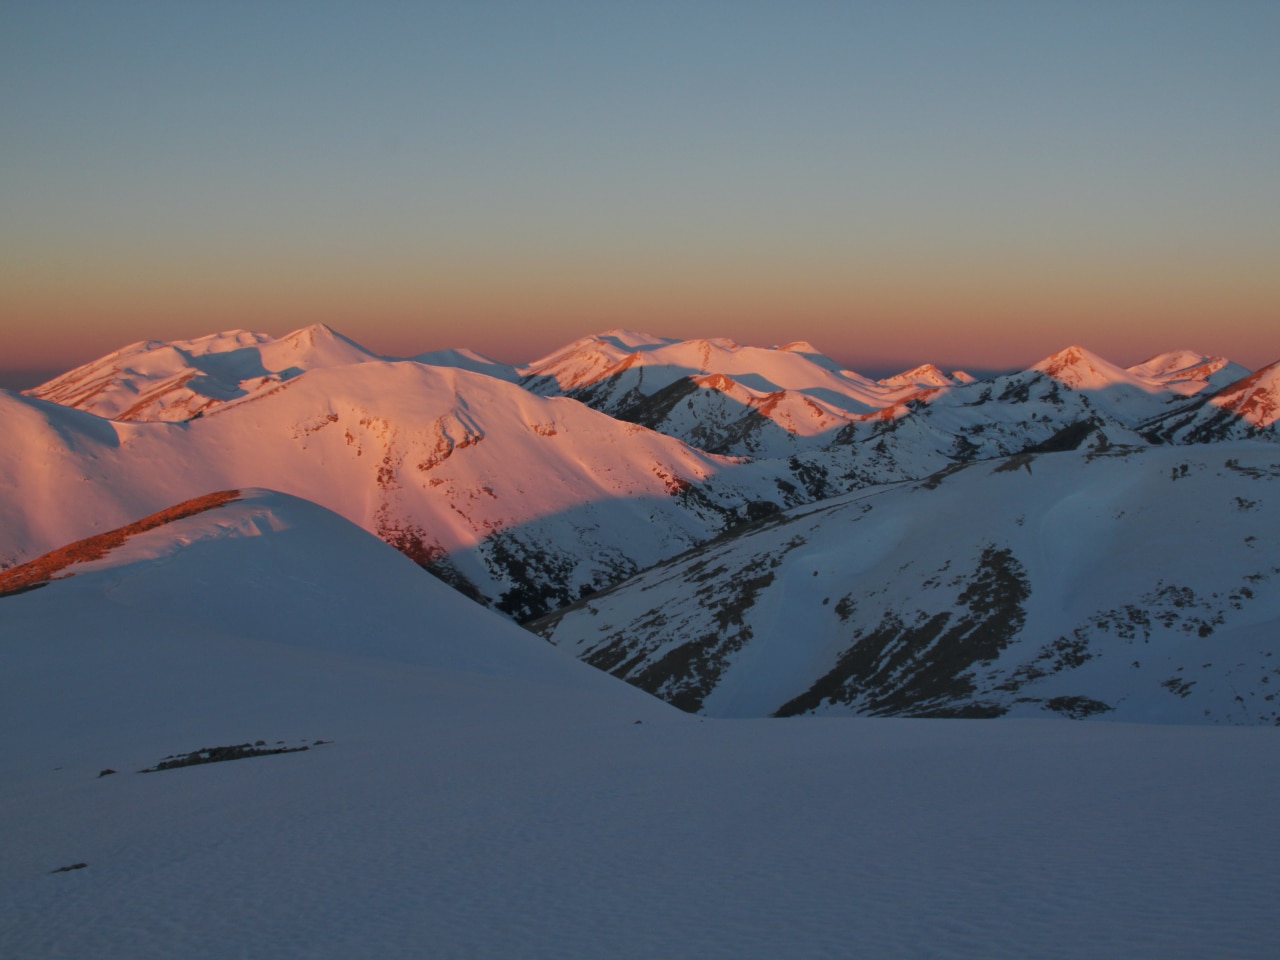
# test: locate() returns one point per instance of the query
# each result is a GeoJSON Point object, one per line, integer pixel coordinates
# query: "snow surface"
{"type": "Point", "coordinates": [1153, 589]}
{"type": "Point", "coordinates": [787, 400]}
{"type": "Point", "coordinates": [154, 380]}
{"type": "Point", "coordinates": [484, 796]}
{"type": "Point", "coordinates": [433, 457]}
{"type": "Point", "coordinates": [1255, 398]}
{"type": "Point", "coordinates": [648, 365]}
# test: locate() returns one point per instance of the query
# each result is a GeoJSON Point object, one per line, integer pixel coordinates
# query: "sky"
{"type": "Point", "coordinates": [972, 184]}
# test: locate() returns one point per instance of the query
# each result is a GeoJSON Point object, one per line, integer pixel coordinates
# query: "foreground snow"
{"type": "Point", "coordinates": [486, 796]}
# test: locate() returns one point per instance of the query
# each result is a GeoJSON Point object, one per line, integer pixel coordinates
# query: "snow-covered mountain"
{"type": "Point", "coordinates": [793, 401]}
{"type": "Point", "coordinates": [1138, 583]}
{"type": "Point", "coordinates": [558, 500]}
{"type": "Point", "coordinates": [1188, 372]}
{"type": "Point", "coordinates": [1071, 399]}
{"type": "Point", "coordinates": [466, 787]}
{"type": "Point", "coordinates": [266, 567]}
{"type": "Point", "coordinates": [154, 380]}
{"type": "Point", "coordinates": [719, 395]}
{"type": "Point", "coordinates": [1246, 408]}
{"type": "Point", "coordinates": [524, 502]}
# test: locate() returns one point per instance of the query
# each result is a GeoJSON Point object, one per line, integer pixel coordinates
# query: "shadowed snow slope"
{"type": "Point", "coordinates": [1136, 584]}
{"type": "Point", "coordinates": [483, 796]}
{"type": "Point", "coordinates": [263, 567]}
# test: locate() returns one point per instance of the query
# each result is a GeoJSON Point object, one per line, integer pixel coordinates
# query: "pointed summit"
{"type": "Point", "coordinates": [321, 336]}
{"type": "Point", "coordinates": [925, 375]}
{"type": "Point", "coordinates": [1084, 370]}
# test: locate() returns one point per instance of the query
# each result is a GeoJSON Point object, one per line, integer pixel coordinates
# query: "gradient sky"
{"type": "Point", "coordinates": [975, 184]}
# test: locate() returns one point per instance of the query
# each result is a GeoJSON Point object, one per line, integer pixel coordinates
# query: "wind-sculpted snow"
{"type": "Point", "coordinates": [1133, 583]}
{"type": "Point", "coordinates": [470, 791]}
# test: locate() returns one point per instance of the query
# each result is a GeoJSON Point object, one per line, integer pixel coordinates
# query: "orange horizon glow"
{"type": "Point", "coordinates": [878, 313]}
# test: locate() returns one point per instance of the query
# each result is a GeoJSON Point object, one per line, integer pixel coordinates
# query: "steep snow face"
{"type": "Point", "coordinates": [481, 793]}
{"type": "Point", "coordinates": [525, 502]}
{"type": "Point", "coordinates": [1137, 584]}
{"type": "Point", "coordinates": [176, 381]}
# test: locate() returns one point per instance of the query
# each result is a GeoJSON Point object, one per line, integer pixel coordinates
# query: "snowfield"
{"type": "Point", "coordinates": [1136, 583]}
{"type": "Point", "coordinates": [484, 795]}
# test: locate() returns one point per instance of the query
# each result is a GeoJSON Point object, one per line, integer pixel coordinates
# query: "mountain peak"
{"type": "Point", "coordinates": [924, 375]}
{"type": "Point", "coordinates": [716, 381]}
{"type": "Point", "coordinates": [1255, 398]}
{"type": "Point", "coordinates": [319, 334]}
{"type": "Point", "coordinates": [1077, 367]}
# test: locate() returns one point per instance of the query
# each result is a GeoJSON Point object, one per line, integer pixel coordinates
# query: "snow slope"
{"type": "Point", "coordinates": [1247, 408]}
{"type": "Point", "coordinates": [1189, 372]}
{"type": "Point", "coordinates": [483, 796]}
{"type": "Point", "coordinates": [1140, 583]}
{"type": "Point", "coordinates": [155, 380]}
{"type": "Point", "coordinates": [524, 501]}
{"type": "Point", "coordinates": [721, 395]}
{"type": "Point", "coordinates": [527, 502]}
{"type": "Point", "coordinates": [787, 401]}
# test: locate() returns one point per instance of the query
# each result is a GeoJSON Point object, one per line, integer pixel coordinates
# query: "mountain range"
{"type": "Point", "coordinates": [624, 460]}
